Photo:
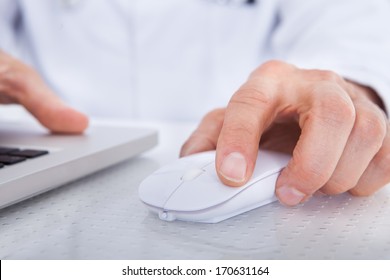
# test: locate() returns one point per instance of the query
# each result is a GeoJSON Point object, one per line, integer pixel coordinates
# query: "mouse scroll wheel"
{"type": "Point", "coordinates": [191, 174]}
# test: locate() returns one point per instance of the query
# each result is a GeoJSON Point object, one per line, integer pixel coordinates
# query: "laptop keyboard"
{"type": "Point", "coordinates": [9, 156]}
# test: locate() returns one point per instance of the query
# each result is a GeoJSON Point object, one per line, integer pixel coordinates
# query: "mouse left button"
{"type": "Point", "coordinates": [157, 188]}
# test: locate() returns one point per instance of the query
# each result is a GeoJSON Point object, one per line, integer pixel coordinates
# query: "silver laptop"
{"type": "Point", "coordinates": [33, 161]}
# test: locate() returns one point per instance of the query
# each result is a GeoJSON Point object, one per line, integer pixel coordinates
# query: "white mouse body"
{"type": "Point", "coordinates": [189, 189]}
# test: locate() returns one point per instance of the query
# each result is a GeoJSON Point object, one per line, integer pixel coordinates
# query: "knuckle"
{"type": "Point", "coordinates": [382, 159]}
{"type": "Point", "coordinates": [7, 75]}
{"type": "Point", "coordinates": [239, 137]}
{"type": "Point", "coordinates": [335, 108]}
{"type": "Point", "coordinates": [309, 172]}
{"type": "Point", "coordinates": [381, 164]}
{"type": "Point", "coordinates": [333, 187]}
{"type": "Point", "coordinates": [249, 111]}
{"type": "Point", "coordinates": [274, 66]}
{"type": "Point", "coordinates": [371, 128]}
{"type": "Point", "coordinates": [327, 76]}
{"type": "Point", "coordinates": [235, 131]}
{"type": "Point", "coordinates": [252, 97]}
{"type": "Point", "coordinates": [313, 174]}
{"type": "Point", "coordinates": [12, 79]}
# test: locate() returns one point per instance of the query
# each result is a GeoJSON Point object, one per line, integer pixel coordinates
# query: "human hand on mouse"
{"type": "Point", "coordinates": [22, 85]}
{"type": "Point", "coordinates": [335, 129]}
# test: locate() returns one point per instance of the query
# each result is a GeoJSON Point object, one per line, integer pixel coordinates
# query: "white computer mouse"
{"type": "Point", "coordinates": [189, 189]}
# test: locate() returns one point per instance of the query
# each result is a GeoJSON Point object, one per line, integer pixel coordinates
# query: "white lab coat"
{"type": "Point", "coordinates": [176, 59]}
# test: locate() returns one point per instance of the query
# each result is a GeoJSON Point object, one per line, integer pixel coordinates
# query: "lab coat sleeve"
{"type": "Point", "coordinates": [8, 22]}
{"type": "Point", "coordinates": [349, 37]}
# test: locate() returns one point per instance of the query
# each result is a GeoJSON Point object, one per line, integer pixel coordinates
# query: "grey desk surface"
{"type": "Point", "coordinates": [101, 217]}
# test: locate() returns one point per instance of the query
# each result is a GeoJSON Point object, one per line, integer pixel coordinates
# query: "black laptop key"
{"type": "Point", "coordinates": [1, 165]}
{"type": "Point", "coordinates": [6, 159]}
{"type": "Point", "coordinates": [6, 150]}
{"type": "Point", "coordinates": [28, 153]}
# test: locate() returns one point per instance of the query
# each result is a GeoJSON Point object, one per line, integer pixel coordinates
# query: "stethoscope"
{"type": "Point", "coordinates": [73, 3]}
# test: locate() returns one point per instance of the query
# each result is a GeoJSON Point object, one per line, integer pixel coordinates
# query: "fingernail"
{"type": "Point", "coordinates": [233, 167]}
{"type": "Point", "coordinates": [289, 196]}
{"type": "Point", "coordinates": [190, 149]}
{"type": "Point", "coordinates": [185, 152]}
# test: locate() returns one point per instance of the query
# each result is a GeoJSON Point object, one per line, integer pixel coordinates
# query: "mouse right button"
{"type": "Point", "coordinates": [188, 162]}
{"type": "Point", "coordinates": [191, 174]}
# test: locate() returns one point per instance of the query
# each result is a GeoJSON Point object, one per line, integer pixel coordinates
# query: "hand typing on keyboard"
{"type": "Point", "coordinates": [22, 85]}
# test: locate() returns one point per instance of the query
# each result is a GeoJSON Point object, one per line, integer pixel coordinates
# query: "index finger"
{"type": "Point", "coordinates": [27, 89]}
{"type": "Point", "coordinates": [250, 111]}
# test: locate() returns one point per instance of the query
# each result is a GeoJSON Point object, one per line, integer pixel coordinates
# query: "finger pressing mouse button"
{"type": "Point", "coordinates": [191, 174]}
